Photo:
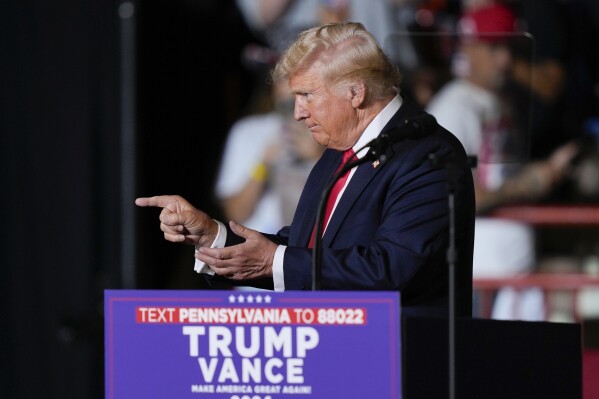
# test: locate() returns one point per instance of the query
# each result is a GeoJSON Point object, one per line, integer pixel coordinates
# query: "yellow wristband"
{"type": "Point", "coordinates": [260, 172]}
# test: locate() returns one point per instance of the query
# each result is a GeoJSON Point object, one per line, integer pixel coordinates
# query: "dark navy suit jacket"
{"type": "Point", "coordinates": [390, 230]}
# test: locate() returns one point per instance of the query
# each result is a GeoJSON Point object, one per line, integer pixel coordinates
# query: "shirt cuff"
{"type": "Point", "coordinates": [219, 242]}
{"type": "Point", "coordinates": [277, 269]}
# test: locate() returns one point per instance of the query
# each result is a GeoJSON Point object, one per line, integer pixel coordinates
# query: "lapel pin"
{"type": "Point", "coordinates": [375, 164]}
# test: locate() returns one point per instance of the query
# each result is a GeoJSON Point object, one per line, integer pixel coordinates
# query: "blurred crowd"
{"type": "Point", "coordinates": [517, 81]}
{"type": "Point", "coordinates": [551, 80]}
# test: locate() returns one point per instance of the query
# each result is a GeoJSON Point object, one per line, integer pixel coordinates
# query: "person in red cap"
{"type": "Point", "coordinates": [473, 107]}
{"type": "Point", "coordinates": [485, 35]}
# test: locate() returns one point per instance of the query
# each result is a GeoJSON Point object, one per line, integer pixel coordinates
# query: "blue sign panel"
{"type": "Point", "coordinates": [251, 344]}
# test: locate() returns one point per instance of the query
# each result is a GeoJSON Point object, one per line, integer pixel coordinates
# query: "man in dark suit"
{"type": "Point", "coordinates": [390, 227]}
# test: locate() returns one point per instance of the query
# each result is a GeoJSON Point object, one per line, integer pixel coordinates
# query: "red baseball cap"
{"type": "Point", "coordinates": [494, 22]}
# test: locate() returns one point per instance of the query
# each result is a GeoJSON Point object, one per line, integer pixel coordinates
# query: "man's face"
{"type": "Point", "coordinates": [489, 63]}
{"type": "Point", "coordinates": [329, 115]}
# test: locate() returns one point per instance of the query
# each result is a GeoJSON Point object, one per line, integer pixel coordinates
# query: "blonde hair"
{"type": "Point", "coordinates": [346, 53]}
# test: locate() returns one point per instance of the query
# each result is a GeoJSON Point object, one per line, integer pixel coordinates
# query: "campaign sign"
{"type": "Point", "coordinates": [251, 344]}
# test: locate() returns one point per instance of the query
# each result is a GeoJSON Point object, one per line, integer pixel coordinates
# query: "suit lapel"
{"type": "Point", "coordinates": [305, 215]}
{"type": "Point", "coordinates": [363, 175]}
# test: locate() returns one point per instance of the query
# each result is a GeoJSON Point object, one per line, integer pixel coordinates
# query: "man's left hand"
{"type": "Point", "coordinates": [249, 260]}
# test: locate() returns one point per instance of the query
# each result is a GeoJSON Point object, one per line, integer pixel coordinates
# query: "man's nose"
{"type": "Point", "coordinates": [299, 113]}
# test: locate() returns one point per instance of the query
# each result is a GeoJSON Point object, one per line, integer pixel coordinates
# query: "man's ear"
{"type": "Point", "coordinates": [358, 94]}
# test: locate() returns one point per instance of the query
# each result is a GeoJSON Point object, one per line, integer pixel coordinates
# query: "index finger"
{"type": "Point", "coordinates": [158, 200]}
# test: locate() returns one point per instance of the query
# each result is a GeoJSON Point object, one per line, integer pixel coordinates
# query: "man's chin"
{"type": "Point", "coordinates": [320, 139]}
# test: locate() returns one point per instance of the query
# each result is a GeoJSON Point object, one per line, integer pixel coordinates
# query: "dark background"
{"type": "Point", "coordinates": [62, 176]}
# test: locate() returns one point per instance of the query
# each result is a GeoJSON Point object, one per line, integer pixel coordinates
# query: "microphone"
{"type": "Point", "coordinates": [413, 128]}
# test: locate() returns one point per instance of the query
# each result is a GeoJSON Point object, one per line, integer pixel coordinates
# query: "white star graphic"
{"type": "Point", "coordinates": [259, 298]}
{"type": "Point", "coordinates": [250, 299]}
{"type": "Point", "coordinates": [240, 299]}
{"type": "Point", "coordinates": [231, 299]}
{"type": "Point", "coordinates": [267, 299]}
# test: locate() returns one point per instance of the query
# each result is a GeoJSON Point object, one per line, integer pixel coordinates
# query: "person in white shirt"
{"type": "Point", "coordinates": [473, 108]}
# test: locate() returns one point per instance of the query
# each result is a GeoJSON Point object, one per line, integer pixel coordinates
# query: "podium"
{"type": "Point", "coordinates": [252, 344]}
{"type": "Point", "coordinates": [494, 359]}
{"type": "Point", "coordinates": [267, 345]}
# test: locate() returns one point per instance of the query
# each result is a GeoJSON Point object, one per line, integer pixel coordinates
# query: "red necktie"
{"type": "Point", "coordinates": [347, 155]}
